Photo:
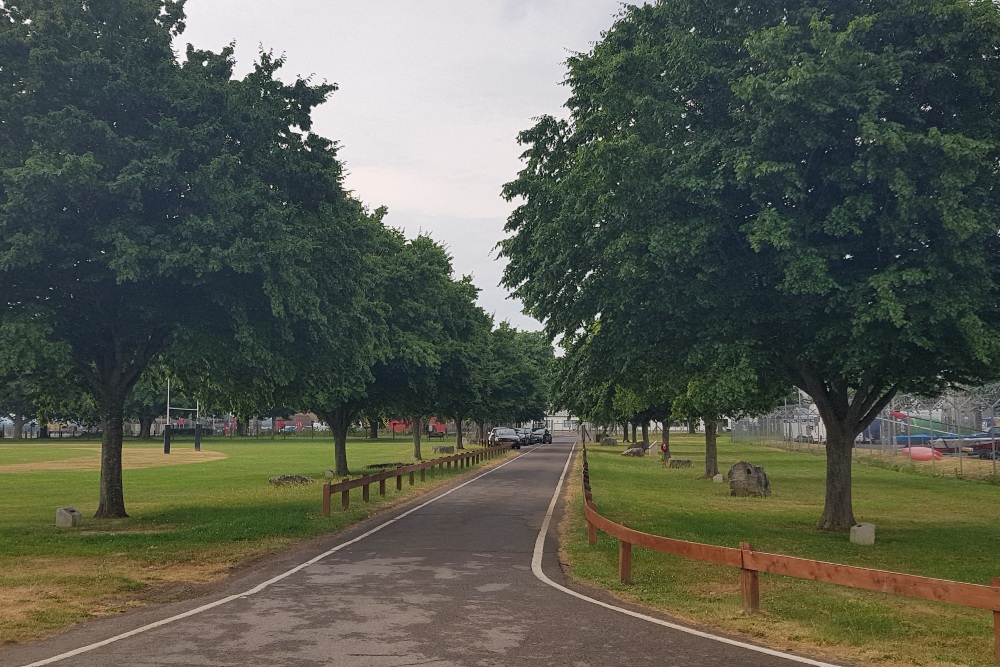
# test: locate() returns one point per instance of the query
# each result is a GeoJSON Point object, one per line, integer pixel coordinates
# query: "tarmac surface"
{"type": "Point", "coordinates": [446, 581]}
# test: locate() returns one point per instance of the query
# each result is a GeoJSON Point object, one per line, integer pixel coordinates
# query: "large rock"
{"type": "Point", "coordinates": [635, 450]}
{"type": "Point", "coordinates": [444, 449]}
{"type": "Point", "coordinates": [746, 479]}
{"type": "Point", "coordinates": [609, 442]}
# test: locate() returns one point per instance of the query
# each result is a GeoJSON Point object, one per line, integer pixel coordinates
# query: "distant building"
{"type": "Point", "coordinates": [562, 421]}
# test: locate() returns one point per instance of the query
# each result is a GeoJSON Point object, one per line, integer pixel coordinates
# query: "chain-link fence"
{"type": "Point", "coordinates": [956, 434]}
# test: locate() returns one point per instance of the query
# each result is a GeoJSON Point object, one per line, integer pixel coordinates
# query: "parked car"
{"type": "Point", "coordinates": [525, 435]}
{"type": "Point", "coordinates": [503, 436]}
{"type": "Point", "coordinates": [542, 435]}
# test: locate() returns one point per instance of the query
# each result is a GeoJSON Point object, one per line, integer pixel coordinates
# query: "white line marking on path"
{"type": "Point", "coordinates": [260, 587]}
{"type": "Point", "coordinates": [536, 567]}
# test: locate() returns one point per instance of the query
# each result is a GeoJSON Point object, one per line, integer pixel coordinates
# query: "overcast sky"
{"type": "Point", "coordinates": [432, 95]}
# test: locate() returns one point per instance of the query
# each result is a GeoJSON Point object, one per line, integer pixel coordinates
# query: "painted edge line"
{"type": "Point", "coordinates": [261, 586]}
{"type": "Point", "coordinates": [536, 568]}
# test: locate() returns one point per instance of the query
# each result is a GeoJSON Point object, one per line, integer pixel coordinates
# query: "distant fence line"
{"type": "Point", "coordinates": [962, 426]}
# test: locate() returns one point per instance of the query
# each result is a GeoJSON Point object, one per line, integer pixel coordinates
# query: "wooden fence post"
{"type": "Point", "coordinates": [411, 478]}
{"type": "Point", "coordinates": [365, 492]}
{"type": "Point", "coordinates": [749, 582]}
{"type": "Point", "coordinates": [399, 482]}
{"type": "Point", "coordinates": [423, 474]}
{"type": "Point", "coordinates": [625, 561]}
{"type": "Point", "coordinates": [381, 487]}
{"type": "Point", "coordinates": [591, 533]}
{"type": "Point", "coordinates": [345, 495]}
{"type": "Point", "coordinates": [326, 500]}
{"type": "Point", "coordinates": [996, 626]}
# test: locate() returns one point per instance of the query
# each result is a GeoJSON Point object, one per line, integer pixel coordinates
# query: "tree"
{"type": "Point", "coordinates": [141, 197]}
{"type": "Point", "coordinates": [813, 185]}
{"type": "Point", "coordinates": [723, 385]}
{"type": "Point", "coordinates": [34, 374]}
{"type": "Point", "coordinates": [462, 377]}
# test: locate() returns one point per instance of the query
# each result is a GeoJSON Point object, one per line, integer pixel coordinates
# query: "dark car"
{"type": "Point", "coordinates": [506, 436]}
{"type": "Point", "coordinates": [542, 435]}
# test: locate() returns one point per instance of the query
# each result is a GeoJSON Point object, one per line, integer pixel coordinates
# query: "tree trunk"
{"type": "Point", "coordinates": [625, 431]}
{"type": "Point", "coordinates": [145, 428]}
{"type": "Point", "coordinates": [838, 510]}
{"type": "Point", "coordinates": [482, 432]}
{"type": "Point", "coordinates": [691, 426]}
{"type": "Point", "coordinates": [645, 434]}
{"type": "Point", "coordinates": [18, 427]}
{"type": "Point", "coordinates": [711, 448]}
{"type": "Point", "coordinates": [339, 421]}
{"type": "Point", "coordinates": [111, 504]}
{"type": "Point", "coordinates": [418, 424]}
{"type": "Point", "coordinates": [373, 428]}
{"type": "Point", "coordinates": [458, 425]}
{"type": "Point", "coordinates": [635, 427]}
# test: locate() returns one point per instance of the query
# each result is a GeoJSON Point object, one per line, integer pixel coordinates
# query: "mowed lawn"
{"type": "Point", "coordinates": [193, 517]}
{"type": "Point", "coordinates": [938, 527]}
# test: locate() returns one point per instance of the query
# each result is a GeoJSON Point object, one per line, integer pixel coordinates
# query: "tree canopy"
{"type": "Point", "coordinates": [141, 196]}
{"type": "Point", "coordinates": [812, 185]}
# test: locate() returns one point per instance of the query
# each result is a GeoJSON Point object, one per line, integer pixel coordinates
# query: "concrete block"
{"type": "Point", "coordinates": [444, 449]}
{"type": "Point", "coordinates": [863, 533]}
{"type": "Point", "coordinates": [719, 479]}
{"type": "Point", "coordinates": [67, 517]}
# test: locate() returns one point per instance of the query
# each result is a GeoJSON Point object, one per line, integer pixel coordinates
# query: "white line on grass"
{"type": "Point", "coordinates": [536, 567]}
{"type": "Point", "coordinates": [260, 587]}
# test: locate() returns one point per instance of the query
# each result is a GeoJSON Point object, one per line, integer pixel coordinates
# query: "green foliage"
{"type": "Point", "coordinates": [812, 188]}
{"type": "Point", "coordinates": [142, 199]}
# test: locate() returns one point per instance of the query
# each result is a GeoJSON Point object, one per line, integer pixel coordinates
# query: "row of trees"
{"type": "Point", "coordinates": [792, 193]}
{"type": "Point", "coordinates": [160, 215]}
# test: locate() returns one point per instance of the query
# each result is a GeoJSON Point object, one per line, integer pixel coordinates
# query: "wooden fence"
{"type": "Point", "coordinates": [364, 482]}
{"type": "Point", "coordinates": [751, 562]}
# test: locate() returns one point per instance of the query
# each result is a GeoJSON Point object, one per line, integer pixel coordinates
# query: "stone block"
{"type": "Point", "coordinates": [863, 533]}
{"type": "Point", "coordinates": [719, 479]}
{"type": "Point", "coordinates": [67, 517]}
{"type": "Point", "coordinates": [444, 449]}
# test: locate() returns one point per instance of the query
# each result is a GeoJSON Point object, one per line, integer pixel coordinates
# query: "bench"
{"type": "Point", "coordinates": [436, 434]}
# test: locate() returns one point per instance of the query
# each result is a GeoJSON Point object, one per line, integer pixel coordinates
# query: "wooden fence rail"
{"type": "Point", "coordinates": [752, 562]}
{"type": "Point", "coordinates": [344, 487]}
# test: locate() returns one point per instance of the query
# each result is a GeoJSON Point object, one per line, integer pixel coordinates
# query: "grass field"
{"type": "Point", "coordinates": [933, 526]}
{"type": "Point", "coordinates": [193, 517]}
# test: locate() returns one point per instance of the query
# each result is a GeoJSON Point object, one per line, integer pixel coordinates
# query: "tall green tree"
{"type": "Point", "coordinates": [814, 184]}
{"type": "Point", "coordinates": [141, 196]}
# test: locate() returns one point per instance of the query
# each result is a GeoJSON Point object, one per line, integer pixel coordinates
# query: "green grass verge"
{"type": "Point", "coordinates": [937, 527]}
{"type": "Point", "coordinates": [188, 525]}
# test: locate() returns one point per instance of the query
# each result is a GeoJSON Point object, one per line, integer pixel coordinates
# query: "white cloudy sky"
{"type": "Point", "coordinates": [432, 94]}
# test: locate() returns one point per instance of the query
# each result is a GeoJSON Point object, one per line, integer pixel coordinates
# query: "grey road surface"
{"type": "Point", "coordinates": [446, 581]}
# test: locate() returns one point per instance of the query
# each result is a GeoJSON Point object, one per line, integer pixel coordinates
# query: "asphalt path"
{"type": "Point", "coordinates": [467, 576]}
